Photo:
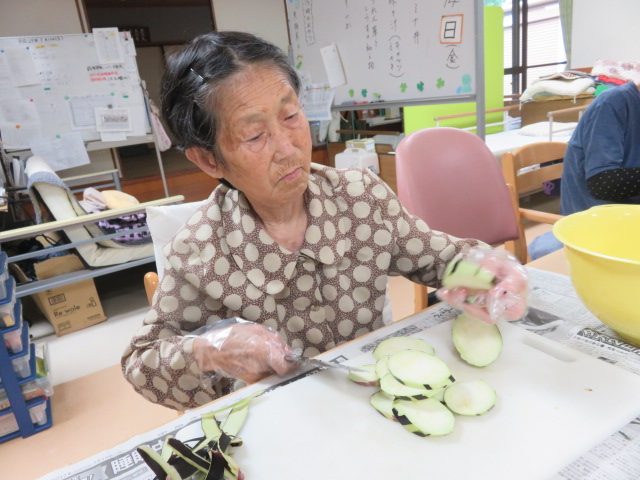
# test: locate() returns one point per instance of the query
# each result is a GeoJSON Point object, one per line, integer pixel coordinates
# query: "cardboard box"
{"type": "Point", "coordinates": [71, 307]}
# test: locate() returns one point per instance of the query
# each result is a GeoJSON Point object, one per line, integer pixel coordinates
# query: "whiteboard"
{"type": "Point", "coordinates": [51, 85]}
{"type": "Point", "coordinates": [391, 51]}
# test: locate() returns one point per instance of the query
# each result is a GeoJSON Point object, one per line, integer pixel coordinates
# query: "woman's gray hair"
{"type": "Point", "coordinates": [194, 74]}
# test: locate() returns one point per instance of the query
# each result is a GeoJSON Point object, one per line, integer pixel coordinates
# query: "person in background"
{"type": "Point", "coordinates": [284, 254]}
{"type": "Point", "coordinates": [602, 160]}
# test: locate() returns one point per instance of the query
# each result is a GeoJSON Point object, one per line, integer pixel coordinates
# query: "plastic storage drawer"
{"type": "Point", "coordinates": [13, 335]}
{"type": "Point", "coordinates": [40, 387]}
{"type": "Point", "coordinates": [39, 412]}
{"type": "Point", "coordinates": [23, 363]}
{"type": "Point", "coordinates": [7, 302]}
{"type": "Point", "coordinates": [4, 274]}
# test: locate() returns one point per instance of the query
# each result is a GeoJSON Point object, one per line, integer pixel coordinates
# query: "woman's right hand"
{"type": "Point", "coordinates": [247, 351]}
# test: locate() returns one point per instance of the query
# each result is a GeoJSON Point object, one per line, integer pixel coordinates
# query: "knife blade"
{"type": "Point", "coordinates": [296, 356]}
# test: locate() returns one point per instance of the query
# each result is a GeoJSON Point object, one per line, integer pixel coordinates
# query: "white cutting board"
{"type": "Point", "coordinates": [553, 404]}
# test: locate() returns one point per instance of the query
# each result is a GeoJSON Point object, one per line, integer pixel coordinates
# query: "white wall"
{"type": "Point", "coordinates": [166, 24]}
{"type": "Point", "coordinates": [605, 30]}
{"type": "Point", "coordinates": [38, 17]}
{"type": "Point", "coordinates": [264, 18]}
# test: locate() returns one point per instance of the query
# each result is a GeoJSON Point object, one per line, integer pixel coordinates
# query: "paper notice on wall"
{"type": "Point", "coordinates": [61, 152]}
{"type": "Point", "coordinates": [333, 65]}
{"type": "Point", "coordinates": [5, 74]}
{"type": "Point", "coordinates": [82, 109]}
{"type": "Point", "coordinates": [128, 45]}
{"type": "Point", "coordinates": [17, 136]}
{"type": "Point", "coordinates": [19, 62]}
{"type": "Point", "coordinates": [108, 45]}
{"type": "Point", "coordinates": [18, 111]}
{"type": "Point", "coordinates": [316, 100]}
{"type": "Point", "coordinates": [113, 120]}
{"type": "Point", "coordinates": [8, 93]}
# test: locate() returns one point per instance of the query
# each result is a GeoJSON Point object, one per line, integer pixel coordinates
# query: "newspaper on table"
{"type": "Point", "coordinates": [555, 312]}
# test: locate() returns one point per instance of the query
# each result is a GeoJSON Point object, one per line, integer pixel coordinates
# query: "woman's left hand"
{"type": "Point", "coordinates": [507, 299]}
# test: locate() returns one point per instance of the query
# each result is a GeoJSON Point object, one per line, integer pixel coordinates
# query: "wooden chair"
{"type": "Point", "coordinates": [164, 222]}
{"type": "Point", "coordinates": [529, 166]}
{"type": "Point", "coordinates": [450, 179]}
{"type": "Point", "coordinates": [150, 285]}
{"type": "Point", "coordinates": [526, 169]}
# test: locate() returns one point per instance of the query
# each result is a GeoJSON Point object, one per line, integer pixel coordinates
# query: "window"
{"type": "Point", "coordinates": [533, 44]}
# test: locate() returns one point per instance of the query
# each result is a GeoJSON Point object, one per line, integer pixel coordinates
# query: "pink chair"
{"type": "Point", "coordinates": [450, 179]}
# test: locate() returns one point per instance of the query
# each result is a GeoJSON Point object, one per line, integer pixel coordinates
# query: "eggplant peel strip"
{"type": "Point", "coordinates": [209, 458]}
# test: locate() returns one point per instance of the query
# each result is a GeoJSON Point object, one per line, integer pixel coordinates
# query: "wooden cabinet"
{"type": "Point", "coordinates": [319, 155]}
{"type": "Point", "coordinates": [388, 169]}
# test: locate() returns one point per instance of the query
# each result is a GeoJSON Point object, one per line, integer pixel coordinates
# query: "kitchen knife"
{"type": "Point", "coordinates": [296, 356]}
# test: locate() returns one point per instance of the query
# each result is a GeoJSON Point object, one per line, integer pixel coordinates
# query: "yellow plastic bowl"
{"type": "Point", "coordinates": [602, 245]}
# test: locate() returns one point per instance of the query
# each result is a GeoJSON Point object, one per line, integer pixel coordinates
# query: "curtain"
{"type": "Point", "coordinates": [566, 19]}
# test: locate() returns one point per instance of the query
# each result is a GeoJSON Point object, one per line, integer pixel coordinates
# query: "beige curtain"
{"type": "Point", "coordinates": [566, 18]}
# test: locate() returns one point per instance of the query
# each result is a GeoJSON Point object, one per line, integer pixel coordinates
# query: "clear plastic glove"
{"type": "Point", "coordinates": [505, 295]}
{"type": "Point", "coordinates": [237, 348]}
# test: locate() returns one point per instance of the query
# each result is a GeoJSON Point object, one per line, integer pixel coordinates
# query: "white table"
{"type": "Point", "coordinates": [101, 411]}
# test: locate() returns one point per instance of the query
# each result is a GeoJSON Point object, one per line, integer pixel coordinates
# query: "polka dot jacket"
{"type": "Point", "coordinates": [222, 264]}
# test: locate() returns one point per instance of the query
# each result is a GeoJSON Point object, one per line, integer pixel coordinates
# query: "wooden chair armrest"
{"type": "Point", "coordinates": [41, 228]}
{"type": "Point", "coordinates": [537, 216]}
{"type": "Point", "coordinates": [150, 285]}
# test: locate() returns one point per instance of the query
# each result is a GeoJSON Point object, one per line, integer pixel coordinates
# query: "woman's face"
{"type": "Point", "coordinates": [264, 137]}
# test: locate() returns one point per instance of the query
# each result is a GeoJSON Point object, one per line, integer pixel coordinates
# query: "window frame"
{"type": "Point", "coordinates": [519, 45]}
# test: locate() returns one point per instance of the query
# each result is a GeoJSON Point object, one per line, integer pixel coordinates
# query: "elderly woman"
{"type": "Point", "coordinates": [301, 249]}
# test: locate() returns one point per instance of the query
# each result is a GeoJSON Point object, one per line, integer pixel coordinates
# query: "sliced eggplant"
{"type": "Point", "coordinates": [424, 417]}
{"type": "Point", "coordinates": [383, 403]}
{"type": "Point", "coordinates": [235, 420]}
{"type": "Point", "coordinates": [188, 455]}
{"type": "Point", "coordinates": [472, 397]}
{"type": "Point", "coordinates": [157, 464]}
{"type": "Point", "coordinates": [419, 370]}
{"type": "Point", "coordinates": [477, 342]}
{"type": "Point", "coordinates": [439, 394]}
{"type": "Point", "coordinates": [366, 376]}
{"type": "Point", "coordinates": [166, 451]}
{"type": "Point", "coordinates": [393, 387]}
{"type": "Point", "coordinates": [397, 344]}
{"type": "Point", "coordinates": [382, 367]}
{"type": "Point", "coordinates": [463, 273]}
